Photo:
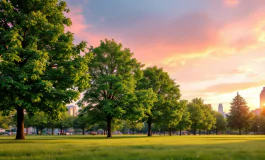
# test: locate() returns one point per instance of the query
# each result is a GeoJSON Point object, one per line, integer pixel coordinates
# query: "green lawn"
{"type": "Point", "coordinates": [134, 147]}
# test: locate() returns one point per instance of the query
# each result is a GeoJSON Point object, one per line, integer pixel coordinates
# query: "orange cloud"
{"type": "Point", "coordinates": [232, 87]}
{"type": "Point", "coordinates": [186, 36]}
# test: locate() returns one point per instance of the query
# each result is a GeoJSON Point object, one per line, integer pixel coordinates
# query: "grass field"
{"type": "Point", "coordinates": [134, 147]}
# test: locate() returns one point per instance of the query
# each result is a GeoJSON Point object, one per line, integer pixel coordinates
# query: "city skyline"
{"type": "Point", "coordinates": [213, 49]}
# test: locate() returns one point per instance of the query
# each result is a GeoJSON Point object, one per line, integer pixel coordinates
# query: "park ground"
{"type": "Point", "coordinates": [134, 148]}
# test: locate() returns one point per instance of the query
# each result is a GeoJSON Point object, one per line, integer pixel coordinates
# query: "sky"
{"type": "Point", "coordinates": [211, 48]}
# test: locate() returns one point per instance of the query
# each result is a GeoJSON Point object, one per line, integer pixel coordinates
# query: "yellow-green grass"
{"type": "Point", "coordinates": [134, 147]}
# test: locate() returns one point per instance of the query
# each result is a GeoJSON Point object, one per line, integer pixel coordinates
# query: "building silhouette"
{"type": "Point", "coordinates": [72, 110]}
{"type": "Point", "coordinates": [262, 98]}
{"type": "Point", "coordinates": [221, 109]}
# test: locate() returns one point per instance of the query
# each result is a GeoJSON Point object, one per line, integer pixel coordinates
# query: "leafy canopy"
{"type": "Point", "coordinates": [40, 68]}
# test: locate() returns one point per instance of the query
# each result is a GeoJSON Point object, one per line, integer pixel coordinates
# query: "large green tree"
{"type": "Point", "coordinates": [197, 116]}
{"type": "Point", "coordinates": [114, 75]}
{"type": "Point", "coordinates": [239, 116]}
{"type": "Point", "coordinates": [40, 67]}
{"type": "Point", "coordinates": [160, 82]}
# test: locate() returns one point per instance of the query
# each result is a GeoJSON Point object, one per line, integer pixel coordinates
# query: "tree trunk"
{"type": "Point", "coordinates": [133, 130]}
{"type": "Point", "coordinates": [194, 130]}
{"type": "Point", "coordinates": [61, 131]}
{"type": "Point", "coordinates": [20, 123]}
{"type": "Point", "coordinates": [41, 131]}
{"type": "Point", "coordinates": [109, 127]}
{"type": "Point", "coordinates": [180, 131]}
{"type": "Point", "coordinates": [239, 131]}
{"type": "Point", "coordinates": [199, 131]}
{"type": "Point", "coordinates": [149, 128]}
{"type": "Point", "coordinates": [83, 131]}
{"type": "Point", "coordinates": [216, 131]}
{"type": "Point", "coordinates": [37, 130]}
{"type": "Point", "coordinates": [170, 131]}
{"type": "Point", "coordinates": [52, 131]}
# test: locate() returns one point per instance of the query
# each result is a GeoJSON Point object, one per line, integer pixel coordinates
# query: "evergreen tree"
{"type": "Point", "coordinates": [239, 116]}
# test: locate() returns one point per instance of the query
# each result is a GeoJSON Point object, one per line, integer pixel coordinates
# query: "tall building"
{"type": "Point", "coordinates": [72, 110]}
{"type": "Point", "coordinates": [262, 98]}
{"type": "Point", "coordinates": [221, 109]}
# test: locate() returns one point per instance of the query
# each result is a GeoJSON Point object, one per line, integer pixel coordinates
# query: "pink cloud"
{"type": "Point", "coordinates": [231, 2]}
{"type": "Point", "coordinates": [81, 29]}
{"type": "Point", "coordinates": [184, 35]}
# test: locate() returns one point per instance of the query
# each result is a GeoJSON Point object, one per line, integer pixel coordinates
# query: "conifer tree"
{"type": "Point", "coordinates": [239, 116]}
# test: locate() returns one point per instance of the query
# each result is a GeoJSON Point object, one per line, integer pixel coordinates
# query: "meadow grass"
{"type": "Point", "coordinates": [134, 147]}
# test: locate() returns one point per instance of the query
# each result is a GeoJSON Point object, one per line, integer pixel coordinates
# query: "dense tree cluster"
{"type": "Point", "coordinates": [42, 70]}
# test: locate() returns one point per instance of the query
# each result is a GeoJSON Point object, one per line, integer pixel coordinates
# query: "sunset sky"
{"type": "Point", "coordinates": [212, 48]}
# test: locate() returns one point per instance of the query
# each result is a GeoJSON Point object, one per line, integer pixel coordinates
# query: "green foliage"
{"type": "Point", "coordinates": [39, 120]}
{"type": "Point", "coordinates": [197, 117]}
{"type": "Point", "coordinates": [82, 121]}
{"type": "Point", "coordinates": [185, 121]}
{"type": "Point", "coordinates": [174, 110]}
{"type": "Point", "coordinates": [65, 121]}
{"type": "Point", "coordinates": [40, 69]}
{"type": "Point", "coordinates": [258, 124]}
{"type": "Point", "coordinates": [220, 122]}
{"type": "Point", "coordinates": [239, 116]}
{"type": "Point", "coordinates": [114, 75]}
{"type": "Point", "coordinates": [210, 119]}
{"type": "Point", "coordinates": [165, 89]}
{"type": "Point", "coordinates": [5, 121]}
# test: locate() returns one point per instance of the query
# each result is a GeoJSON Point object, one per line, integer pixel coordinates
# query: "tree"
{"type": "Point", "coordinates": [209, 120]}
{"type": "Point", "coordinates": [140, 104]}
{"type": "Point", "coordinates": [220, 122]}
{"type": "Point", "coordinates": [239, 116]}
{"type": "Point", "coordinates": [82, 121]}
{"type": "Point", "coordinates": [185, 121]}
{"type": "Point", "coordinates": [5, 121]}
{"type": "Point", "coordinates": [160, 82]}
{"type": "Point", "coordinates": [40, 67]}
{"type": "Point", "coordinates": [173, 109]}
{"type": "Point", "coordinates": [114, 75]}
{"type": "Point", "coordinates": [52, 123]}
{"type": "Point", "coordinates": [65, 121]}
{"type": "Point", "coordinates": [39, 121]}
{"type": "Point", "coordinates": [197, 117]}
